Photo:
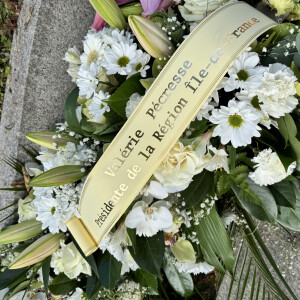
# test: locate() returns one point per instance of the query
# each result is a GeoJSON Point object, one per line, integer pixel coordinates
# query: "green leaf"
{"type": "Point", "coordinates": [296, 70]}
{"type": "Point", "coordinates": [213, 240]}
{"type": "Point", "coordinates": [182, 283]}
{"type": "Point", "coordinates": [59, 176]}
{"type": "Point", "coordinates": [198, 189]}
{"type": "Point", "coordinates": [265, 196]}
{"type": "Point", "coordinates": [149, 253]}
{"type": "Point", "coordinates": [109, 271]}
{"type": "Point", "coordinates": [93, 286]}
{"type": "Point", "coordinates": [46, 272]}
{"type": "Point", "coordinates": [70, 111]}
{"type": "Point", "coordinates": [9, 277]}
{"type": "Point", "coordinates": [289, 217]}
{"type": "Point", "coordinates": [284, 193]}
{"type": "Point", "coordinates": [251, 203]}
{"type": "Point", "coordinates": [147, 280]}
{"type": "Point", "coordinates": [63, 285]}
{"type": "Point", "coordinates": [117, 101]}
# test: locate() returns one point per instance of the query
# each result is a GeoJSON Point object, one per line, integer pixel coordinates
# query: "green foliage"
{"type": "Point", "coordinates": [10, 277]}
{"type": "Point", "coordinates": [199, 188]}
{"type": "Point", "coordinates": [70, 111]}
{"type": "Point", "coordinates": [284, 193]}
{"type": "Point", "coordinates": [109, 270]}
{"type": "Point", "coordinates": [182, 283]}
{"type": "Point", "coordinates": [147, 280]}
{"type": "Point", "coordinates": [46, 272]}
{"type": "Point", "coordinates": [63, 285]}
{"type": "Point", "coordinates": [148, 252]}
{"type": "Point", "coordinates": [117, 101]}
{"type": "Point", "coordinates": [214, 241]}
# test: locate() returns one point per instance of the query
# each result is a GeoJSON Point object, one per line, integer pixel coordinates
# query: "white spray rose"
{"type": "Point", "coordinates": [177, 170]}
{"type": "Point", "coordinates": [68, 260]}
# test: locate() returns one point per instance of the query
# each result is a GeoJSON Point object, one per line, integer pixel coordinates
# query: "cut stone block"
{"type": "Point", "coordinates": [39, 83]}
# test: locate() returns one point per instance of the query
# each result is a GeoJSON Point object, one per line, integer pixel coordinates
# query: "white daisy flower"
{"type": "Point", "coordinates": [141, 65]}
{"type": "Point", "coordinates": [121, 58]}
{"type": "Point", "coordinates": [244, 73]}
{"type": "Point", "coordinates": [112, 36]}
{"type": "Point", "coordinates": [237, 123]}
{"type": "Point", "coordinates": [97, 108]}
{"type": "Point", "coordinates": [93, 51]}
{"type": "Point", "coordinates": [149, 220]}
{"type": "Point", "coordinates": [132, 103]}
{"type": "Point", "coordinates": [269, 168]}
{"type": "Point", "coordinates": [252, 98]}
{"type": "Point", "coordinates": [277, 91]}
{"type": "Point", "coordinates": [52, 213]}
{"type": "Point", "coordinates": [87, 80]}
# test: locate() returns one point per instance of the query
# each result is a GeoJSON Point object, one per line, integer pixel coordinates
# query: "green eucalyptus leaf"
{"type": "Point", "coordinates": [182, 283]}
{"type": "Point", "coordinates": [70, 111]}
{"type": "Point", "coordinates": [149, 252]}
{"type": "Point", "coordinates": [117, 101]}
{"type": "Point", "coordinates": [63, 285]}
{"type": "Point", "coordinates": [198, 189]}
{"type": "Point", "coordinates": [59, 176]}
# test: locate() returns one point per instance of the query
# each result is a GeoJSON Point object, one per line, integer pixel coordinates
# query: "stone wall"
{"type": "Point", "coordinates": [38, 84]}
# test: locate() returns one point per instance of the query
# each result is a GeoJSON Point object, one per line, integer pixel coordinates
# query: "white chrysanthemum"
{"type": "Point", "coordinates": [112, 36]}
{"type": "Point", "coordinates": [178, 168]}
{"type": "Point", "coordinates": [245, 73]}
{"type": "Point", "coordinates": [193, 267]}
{"type": "Point", "coordinates": [237, 123]}
{"type": "Point", "coordinates": [218, 161]}
{"type": "Point", "coordinates": [93, 51]}
{"type": "Point", "coordinates": [149, 220]}
{"type": "Point", "coordinates": [87, 80]}
{"type": "Point", "coordinates": [52, 213]}
{"type": "Point", "coordinates": [269, 168]}
{"type": "Point", "coordinates": [67, 259]}
{"type": "Point", "coordinates": [132, 103]}
{"type": "Point", "coordinates": [72, 56]}
{"type": "Point", "coordinates": [97, 108]}
{"type": "Point", "coordinates": [121, 58]}
{"type": "Point", "coordinates": [276, 93]}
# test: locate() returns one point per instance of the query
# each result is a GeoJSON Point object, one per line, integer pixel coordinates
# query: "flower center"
{"type": "Point", "coordinates": [150, 213]}
{"type": "Point", "coordinates": [92, 57]}
{"type": "Point", "coordinates": [235, 121]}
{"type": "Point", "coordinates": [123, 61]}
{"type": "Point", "coordinates": [138, 66]}
{"type": "Point", "coordinates": [255, 102]}
{"type": "Point", "coordinates": [243, 75]}
{"type": "Point", "coordinates": [53, 210]}
{"type": "Point", "coordinates": [102, 106]}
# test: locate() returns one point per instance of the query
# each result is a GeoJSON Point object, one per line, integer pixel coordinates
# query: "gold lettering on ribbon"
{"type": "Point", "coordinates": [171, 103]}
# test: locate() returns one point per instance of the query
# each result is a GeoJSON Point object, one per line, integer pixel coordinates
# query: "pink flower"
{"type": "Point", "coordinates": [152, 6]}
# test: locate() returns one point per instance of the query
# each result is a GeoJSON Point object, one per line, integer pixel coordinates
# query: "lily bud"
{"type": "Point", "coordinates": [59, 176]}
{"type": "Point", "coordinates": [38, 251]}
{"type": "Point", "coordinates": [51, 140]}
{"type": "Point", "coordinates": [110, 12]}
{"type": "Point", "coordinates": [151, 37]}
{"type": "Point", "coordinates": [21, 232]}
{"type": "Point", "coordinates": [132, 9]}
